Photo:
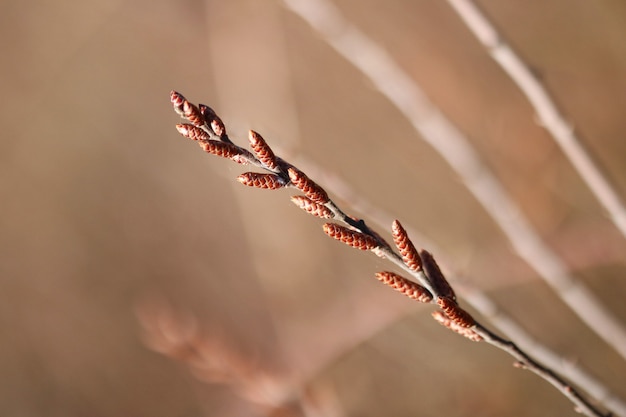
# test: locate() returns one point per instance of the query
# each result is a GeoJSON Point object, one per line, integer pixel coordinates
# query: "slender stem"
{"type": "Point", "coordinates": [526, 362]}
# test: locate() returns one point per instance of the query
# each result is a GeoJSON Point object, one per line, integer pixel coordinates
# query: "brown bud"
{"type": "Point", "coordinates": [307, 186]}
{"type": "Point", "coordinates": [406, 287]}
{"type": "Point", "coordinates": [192, 113]}
{"type": "Point", "coordinates": [258, 180]}
{"type": "Point", "coordinates": [455, 313]}
{"type": "Point", "coordinates": [177, 100]}
{"type": "Point", "coordinates": [225, 150]}
{"type": "Point", "coordinates": [311, 207]}
{"type": "Point", "coordinates": [262, 150]}
{"type": "Point", "coordinates": [213, 120]}
{"type": "Point", "coordinates": [350, 237]}
{"type": "Point", "coordinates": [464, 331]}
{"type": "Point", "coordinates": [192, 132]}
{"type": "Point", "coordinates": [218, 127]}
{"type": "Point", "coordinates": [435, 276]}
{"type": "Point", "coordinates": [409, 254]}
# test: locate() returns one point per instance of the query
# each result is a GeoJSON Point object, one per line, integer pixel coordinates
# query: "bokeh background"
{"type": "Point", "coordinates": [119, 238]}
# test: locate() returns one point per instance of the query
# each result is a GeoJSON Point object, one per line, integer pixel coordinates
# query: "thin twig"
{"type": "Point", "coordinates": [547, 110]}
{"type": "Point", "coordinates": [426, 283]}
{"type": "Point", "coordinates": [434, 128]}
{"type": "Point", "coordinates": [526, 362]}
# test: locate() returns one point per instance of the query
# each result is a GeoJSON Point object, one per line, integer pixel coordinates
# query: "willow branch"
{"type": "Point", "coordinates": [426, 282]}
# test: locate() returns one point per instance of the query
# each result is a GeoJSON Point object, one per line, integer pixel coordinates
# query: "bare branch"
{"type": "Point", "coordinates": [432, 281]}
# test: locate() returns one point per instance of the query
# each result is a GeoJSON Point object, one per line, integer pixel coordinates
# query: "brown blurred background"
{"type": "Point", "coordinates": [108, 216]}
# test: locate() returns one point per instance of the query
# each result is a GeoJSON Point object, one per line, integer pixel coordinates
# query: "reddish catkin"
{"type": "Point", "coordinates": [311, 207]}
{"type": "Point", "coordinates": [435, 276]}
{"type": "Point", "coordinates": [350, 237]}
{"type": "Point", "coordinates": [225, 150]}
{"type": "Point", "coordinates": [406, 287]}
{"type": "Point", "coordinates": [262, 150]}
{"type": "Point", "coordinates": [409, 254]}
{"type": "Point", "coordinates": [307, 186]}
{"type": "Point", "coordinates": [464, 331]}
{"type": "Point", "coordinates": [213, 120]}
{"type": "Point", "coordinates": [192, 113]}
{"type": "Point", "coordinates": [177, 100]}
{"type": "Point", "coordinates": [259, 180]}
{"type": "Point", "coordinates": [192, 132]}
{"type": "Point", "coordinates": [455, 313]}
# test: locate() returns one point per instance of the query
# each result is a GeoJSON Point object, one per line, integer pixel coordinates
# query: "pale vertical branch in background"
{"type": "Point", "coordinates": [548, 112]}
{"type": "Point", "coordinates": [403, 92]}
{"type": "Point", "coordinates": [478, 299]}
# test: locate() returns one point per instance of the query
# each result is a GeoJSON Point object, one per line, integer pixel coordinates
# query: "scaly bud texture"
{"type": "Point", "coordinates": [464, 331]}
{"type": "Point", "coordinates": [409, 254]}
{"type": "Point", "coordinates": [192, 132]}
{"type": "Point", "coordinates": [192, 113]}
{"type": "Point", "coordinates": [177, 100]}
{"type": "Point", "coordinates": [258, 180]}
{"type": "Point", "coordinates": [350, 237]}
{"type": "Point", "coordinates": [455, 313]}
{"type": "Point", "coordinates": [213, 120]}
{"type": "Point", "coordinates": [406, 287]}
{"type": "Point", "coordinates": [435, 276]}
{"type": "Point", "coordinates": [225, 150]}
{"type": "Point", "coordinates": [311, 207]}
{"type": "Point", "coordinates": [307, 186]}
{"type": "Point", "coordinates": [262, 150]}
